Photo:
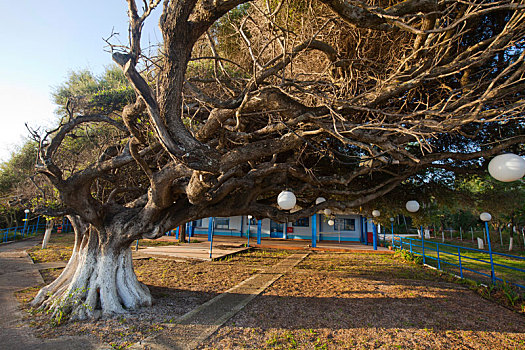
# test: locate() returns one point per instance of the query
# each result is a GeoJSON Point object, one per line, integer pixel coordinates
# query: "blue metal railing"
{"type": "Point", "coordinates": [458, 257]}
{"type": "Point", "coordinates": [18, 232]}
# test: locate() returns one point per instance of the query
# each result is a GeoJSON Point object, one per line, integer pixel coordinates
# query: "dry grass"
{"type": "Point", "coordinates": [329, 301]}
{"type": "Point", "coordinates": [176, 286]}
{"type": "Point", "coordinates": [359, 301]}
{"type": "Point", "coordinates": [58, 249]}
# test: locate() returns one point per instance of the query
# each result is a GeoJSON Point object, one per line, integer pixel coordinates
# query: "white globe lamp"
{"type": "Point", "coordinates": [26, 211]}
{"type": "Point", "coordinates": [412, 206]}
{"type": "Point", "coordinates": [320, 200]}
{"type": "Point", "coordinates": [249, 217]}
{"type": "Point", "coordinates": [331, 222]}
{"type": "Point", "coordinates": [485, 216]}
{"type": "Point", "coordinates": [507, 167]}
{"type": "Point", "coordinates": [286, 200]}
{"type": "Point", "coordinates": [375, 213]}
{"type": "Point", "coordinates": [327, 212]}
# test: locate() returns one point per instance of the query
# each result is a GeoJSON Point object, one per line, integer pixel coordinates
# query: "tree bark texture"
{"type": "Point", "coordinates": [97, 281]}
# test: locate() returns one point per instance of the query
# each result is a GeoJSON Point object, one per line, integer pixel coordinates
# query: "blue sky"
{"type": "Point", "coordinates": [42, 41]}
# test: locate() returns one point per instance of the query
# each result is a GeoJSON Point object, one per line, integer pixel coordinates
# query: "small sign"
{"type": "Point", "coordinates": [289, 230]}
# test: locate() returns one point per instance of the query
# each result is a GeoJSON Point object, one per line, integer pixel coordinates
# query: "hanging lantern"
{"type": "Point", "coordinates": [412, 206]}
{"type": "Point", "coordinates": [286, 200]}
{"type": "Point", "coordinates": [507, 167]}
{"type": "Point", "coordinates": [485, 216]}
{"type": "Point", "coordinates": [320, 200]}
{"type": "Point", "coordinates": [375, 213]}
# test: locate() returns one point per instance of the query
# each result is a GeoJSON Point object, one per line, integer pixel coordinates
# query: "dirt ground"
{"type": "Point", "coordinates": [329, 301]}
{"type": "Point", "coordinates": [359, 301]}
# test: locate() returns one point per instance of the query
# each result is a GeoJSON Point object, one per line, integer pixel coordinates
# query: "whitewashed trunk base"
{"type": "Point", "coordinates": [95, 284]}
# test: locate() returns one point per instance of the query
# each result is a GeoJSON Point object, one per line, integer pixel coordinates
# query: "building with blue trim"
{"type": "Point", "coordinates": [346, 228]}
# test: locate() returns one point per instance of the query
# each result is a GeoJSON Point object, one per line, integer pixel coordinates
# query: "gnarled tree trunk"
{"type": "Point", "coordinates": [98, 280]}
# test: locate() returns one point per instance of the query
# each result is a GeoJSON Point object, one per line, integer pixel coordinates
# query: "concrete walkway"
{"type": "Point", "coordinates": [18, 272]}
{"type": "Point", "coordinates": [276, 243]}
{"type": "Point", "coordinates": [197, 325]}
{"type": "Point", "coordinates": [198, 251]}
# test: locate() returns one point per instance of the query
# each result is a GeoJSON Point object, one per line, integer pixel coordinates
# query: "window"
{"type": "Point", "coordinates": [253, 221]}
{"type": "Point", "coordinates": [276, 227]}
{"type": "Point", "coordinates": [303, 222]}
{"type": "Point", "coordinates": [223, 223]}
{"type": "Point", "coordinates": [198, 223]}
{"type": "Point", "coordinates": [344, 225]}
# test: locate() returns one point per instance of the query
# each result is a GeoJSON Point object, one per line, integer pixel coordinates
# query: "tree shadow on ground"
{"type": "Point", "coordinates": [445, 308]}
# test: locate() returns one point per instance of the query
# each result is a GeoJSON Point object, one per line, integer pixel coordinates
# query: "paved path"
{"type": "Point", "coordinates": [199, 251]}
{"type": "Point", "coordinates": [197, 325]}
{"type": "Point", "coordinates": [290, 244]}
{"type": "Point", "coordinates": [18, 272]}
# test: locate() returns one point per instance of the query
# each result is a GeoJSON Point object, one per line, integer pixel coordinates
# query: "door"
{"type": "Point", "coordinates": [276, 229]}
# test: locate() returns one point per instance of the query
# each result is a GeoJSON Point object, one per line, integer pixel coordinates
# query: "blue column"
{"type": "Point", "coordinates": [314, 230]}
{"type": "Point", "coordinates": [392, 228]}
{"type": "Point", "coordinates": [177, 232]}
{"type": "Point", "coordinates": [242, 225]}
{"type": "Point", "coordinates": [374, 235]}
{"type": "Point", "coordinates": [210, 228]}
{"type": "Point", "coordinates": [361, 236]}
{"type": "Point", "coordinates": [365, 225]}
{"type": "Point", "coordinates": [211, 240]}
{"type": "Point", "coordinates": [259, 227]}
{"type": "Point", "coordinates": [248, 233]}
{"type": "Point", "coordinates": [422, 242]}
{"type": "Point", "coordinates": [285, 227]}
{"type": "Point", "coordinates": [492, 274]}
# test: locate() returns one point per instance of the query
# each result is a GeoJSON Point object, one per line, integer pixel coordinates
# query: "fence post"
{"type": "Point", "coordinates": [492, 274]}
{"type": "Point", "coordinates": [210, 228]}
{"type": "Point", "coordinates": [439, 261]}
{"type": "Point", "coordinates": [460, 266]}
{"type": "Point", "coordinates": [410, 246]}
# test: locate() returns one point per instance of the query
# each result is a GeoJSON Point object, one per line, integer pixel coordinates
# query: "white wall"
{"type": "Point", "coordinates": [324, 232]}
